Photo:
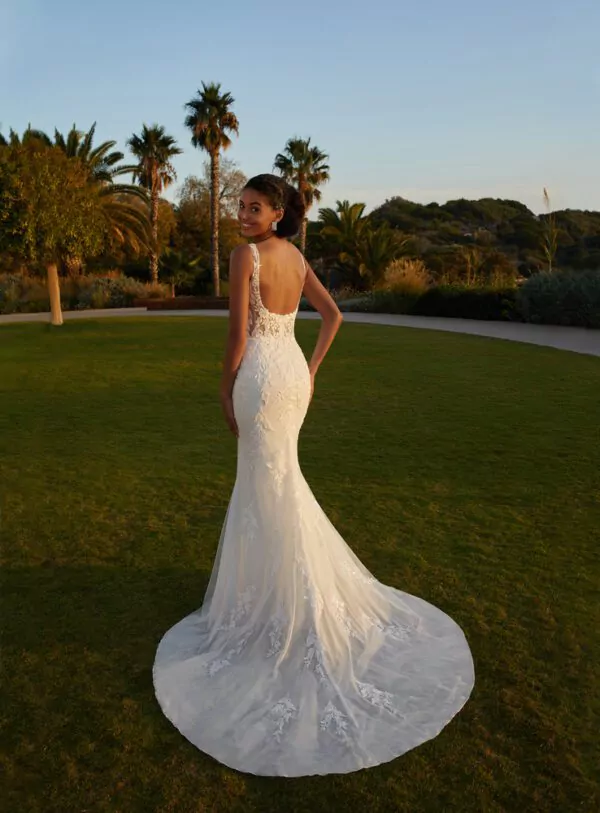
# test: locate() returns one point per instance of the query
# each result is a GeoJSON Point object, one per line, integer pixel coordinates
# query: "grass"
{"type": "Point", "coordinates": [460, 469]}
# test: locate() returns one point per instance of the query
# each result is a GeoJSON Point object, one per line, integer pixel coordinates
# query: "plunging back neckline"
{"type": "Point", "coordinates": [256, 270]}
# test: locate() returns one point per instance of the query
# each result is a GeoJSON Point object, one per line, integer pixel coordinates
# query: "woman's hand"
{"type": "Point", "coordinates": [227, 407]}
{"type": "Point", "coordinates": [312, 384]}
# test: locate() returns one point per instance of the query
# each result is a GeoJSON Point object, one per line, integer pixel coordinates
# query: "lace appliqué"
{"type": "Point", "coordinates": [314, 656]}
{"type": "Point", "coordinates": [377, 697]}
{"type": "Point", "coordinates": [276, 634]}
{"type": "Point", "coordinates": [240, 611]}
{"type": "Point", "coordinates": [335, 716]}
{"type": "Point", "coordinates": [283, 711]}
{"type": "Point", "coordinates": [214, 666]}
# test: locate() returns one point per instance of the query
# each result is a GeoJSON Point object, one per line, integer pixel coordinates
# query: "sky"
{"type": "Point", "coordinates": [430, 100]}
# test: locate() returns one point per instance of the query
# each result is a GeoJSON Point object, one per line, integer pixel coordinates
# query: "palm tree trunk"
{"type": "Point", "coordinates": [214, 220]}
{"type": "Point", "coordinates": [54, 294]}
{"type": "Point", "coordinates": [154, 248]}
{"type": "Point", "coordinates": [303, 234]}
{"type": "Point", "coordinates": [303, 225]}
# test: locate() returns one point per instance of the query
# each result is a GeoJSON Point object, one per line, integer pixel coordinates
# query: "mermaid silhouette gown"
{"type": "Point", "coordinates": [299, 660]}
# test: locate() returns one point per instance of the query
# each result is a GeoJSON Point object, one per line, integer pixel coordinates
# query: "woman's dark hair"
{"type": "Point", "coordinates": [281, 195]}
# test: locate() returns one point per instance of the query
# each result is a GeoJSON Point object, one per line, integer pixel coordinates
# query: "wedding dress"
{"type": "Point", "coordinates": [299, 660]}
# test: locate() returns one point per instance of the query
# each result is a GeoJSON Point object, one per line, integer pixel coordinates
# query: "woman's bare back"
{"type": "Point", "coordinates": [282, 275]}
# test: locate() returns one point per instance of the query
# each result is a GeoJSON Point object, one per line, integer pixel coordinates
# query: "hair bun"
{"type": "Point", "coordinates": [293, 214]}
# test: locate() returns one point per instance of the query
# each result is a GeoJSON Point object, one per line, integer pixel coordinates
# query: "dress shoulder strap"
{"type": "Point", "coordinates": [255, 254]}
{"type": "Point", "coordinates": [305, 269]}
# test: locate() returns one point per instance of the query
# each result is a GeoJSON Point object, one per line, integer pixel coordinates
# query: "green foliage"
{"type": "Point", "coordinates": [462, 302]}
{"type": "Point", "coordinates": [11, 290]}
{"type": "Point", "coordinates": [305, 167]}
{"type": "Point", "coordinates": [48, 210]}
{"type": "Point", "coordinates": [452, 301]}
{"type": "Point", "coordinates": [361, 250]}
{"type": "Point", "coordinates": [210, 120]}
{"type": "Point", "coordinates": [153, 150]}
{"type": "Point", "coordinates": [381, 301]}
{"type": "Point", "coordinates": [564, 298]}
{"type": "Point", "coordinates": [104, 292]}
{"type": "Point", "coordinates": [25, 294]}
{"type": "Point", "coordinates": [504, 225]}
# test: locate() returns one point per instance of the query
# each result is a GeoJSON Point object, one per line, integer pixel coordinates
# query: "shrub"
{"type": "Point", "coordinates": [464, 302]}
{"type": "Point", "coordinates": [405, 276]}
{"type": "Point", "coordinates": [346, 292]}
{"type": "Point", "coordinates": [10, 292]}
{"type": "Point", "coordinates": [381, 302]}
{"type": "Point", "coordinates": [561, 298]}
{"type": "Point", "coordinates": [24, 294]}
{"type": "Point", "coordinates": [116, 292]}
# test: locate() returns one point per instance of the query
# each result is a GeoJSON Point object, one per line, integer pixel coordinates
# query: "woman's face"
{"type": "Point", "coordinates": [255, 213]}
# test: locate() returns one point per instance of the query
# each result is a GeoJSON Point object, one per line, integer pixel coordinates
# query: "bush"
{"type": "Point", "coordinates": [381, 302]}
{"type": "Point", "coordinates": [10, 292]}
{"type": "Point", "coordinates": [24, 294]}
{"type": "Point", "coordinates": [561, 298]}
{"type": "Point", "coordinates": [346, 292]}
{"type": "Point", "coordinates": [106, 292]}
{"type": "Point", "coordinates": [461, 302]}
{"type": "Point", "coordinates": [405, 276]}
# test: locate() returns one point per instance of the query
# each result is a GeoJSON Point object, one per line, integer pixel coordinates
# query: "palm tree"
{"type": "Point", "coordinates": [304, 167]}
{"type": "Point", "coordinates": [361, 249]}
{"type": "Point", "coordinates": [154, 150]}
{"type": "Point", "coordinates": [375, 250]}
{"type": "Point", "coordinates": [210, 121]}
{"type": "Point", "coordinates": [344, 223]}
{"type": "Point", "coordinates": [127, 219]}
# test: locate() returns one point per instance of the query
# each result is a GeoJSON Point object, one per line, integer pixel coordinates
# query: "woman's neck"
{"type": "Point", "coordinates": [264, 236]}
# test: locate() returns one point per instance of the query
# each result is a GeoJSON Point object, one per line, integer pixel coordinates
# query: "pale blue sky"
{"type": "Point", "coordinates": [430, 100]}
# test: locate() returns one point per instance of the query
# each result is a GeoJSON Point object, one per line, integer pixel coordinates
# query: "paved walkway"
{"type": "Point", "coordinates": [576, 339]}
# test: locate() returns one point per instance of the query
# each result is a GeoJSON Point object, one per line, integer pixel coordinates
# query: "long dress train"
{"type": "Point", "coordinates": [299, 661]}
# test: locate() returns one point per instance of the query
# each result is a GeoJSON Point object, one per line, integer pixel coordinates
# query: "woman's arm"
{"type": "Point", "coordinates": [320, 298]}
{"type": "Point", "coordinates": [240, 271]}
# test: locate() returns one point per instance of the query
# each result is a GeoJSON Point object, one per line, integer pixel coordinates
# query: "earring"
{"type": "Point", "coordinates": [274, 225]}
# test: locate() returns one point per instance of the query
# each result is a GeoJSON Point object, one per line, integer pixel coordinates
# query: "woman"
{"type": "Point", "coordinates": [299, 661]}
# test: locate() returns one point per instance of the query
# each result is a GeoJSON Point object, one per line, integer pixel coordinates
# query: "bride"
{"type": "Point", "coordinates": [299, 660]}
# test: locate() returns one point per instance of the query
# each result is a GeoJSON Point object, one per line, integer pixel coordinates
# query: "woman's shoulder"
{"type": "Point", "coordinates": [289, 250]}
{"type": "Point", "coordinates": [241, 251]}
{"type": "Point", "coordinates": [241, 259]}
{"type": "Point", "coordinates": [242, 255]}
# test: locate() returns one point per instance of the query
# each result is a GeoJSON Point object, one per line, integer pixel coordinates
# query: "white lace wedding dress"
{"type": "Point", "coordinates": [299, 661]}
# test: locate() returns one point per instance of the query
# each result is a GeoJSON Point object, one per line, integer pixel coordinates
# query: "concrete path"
{"type": "Point", "coordinates": [576, 339]}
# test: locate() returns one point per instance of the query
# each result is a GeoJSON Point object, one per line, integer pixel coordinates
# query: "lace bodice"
{"type": "Point", "coordinates": [261, 321]}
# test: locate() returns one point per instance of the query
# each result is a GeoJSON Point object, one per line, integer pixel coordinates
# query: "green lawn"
{"type": "Point", "coordinates": [461, 469]}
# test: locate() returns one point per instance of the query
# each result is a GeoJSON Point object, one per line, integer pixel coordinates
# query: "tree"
{"type": "Point", "coordinates": [154, 150]}
{"type": "Point", "coordinates": [48, 209]}
{"type": "Point", "coordinates": [374, 251]}
{"type": "Point", "coordinates": [127, 222]}
{"type": "Point", "coordinates": [362, 250]}
{"type": "Point", "coordinates": [178, 268]}
{"type": "Point", "coordinates": [304, 167]}
{"type": "Point", "coordinates": [343, 224]}
{"type": "Point", "coordinates": [231, 182]}
{"type": "Point", "coordinates": [210, 120]}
